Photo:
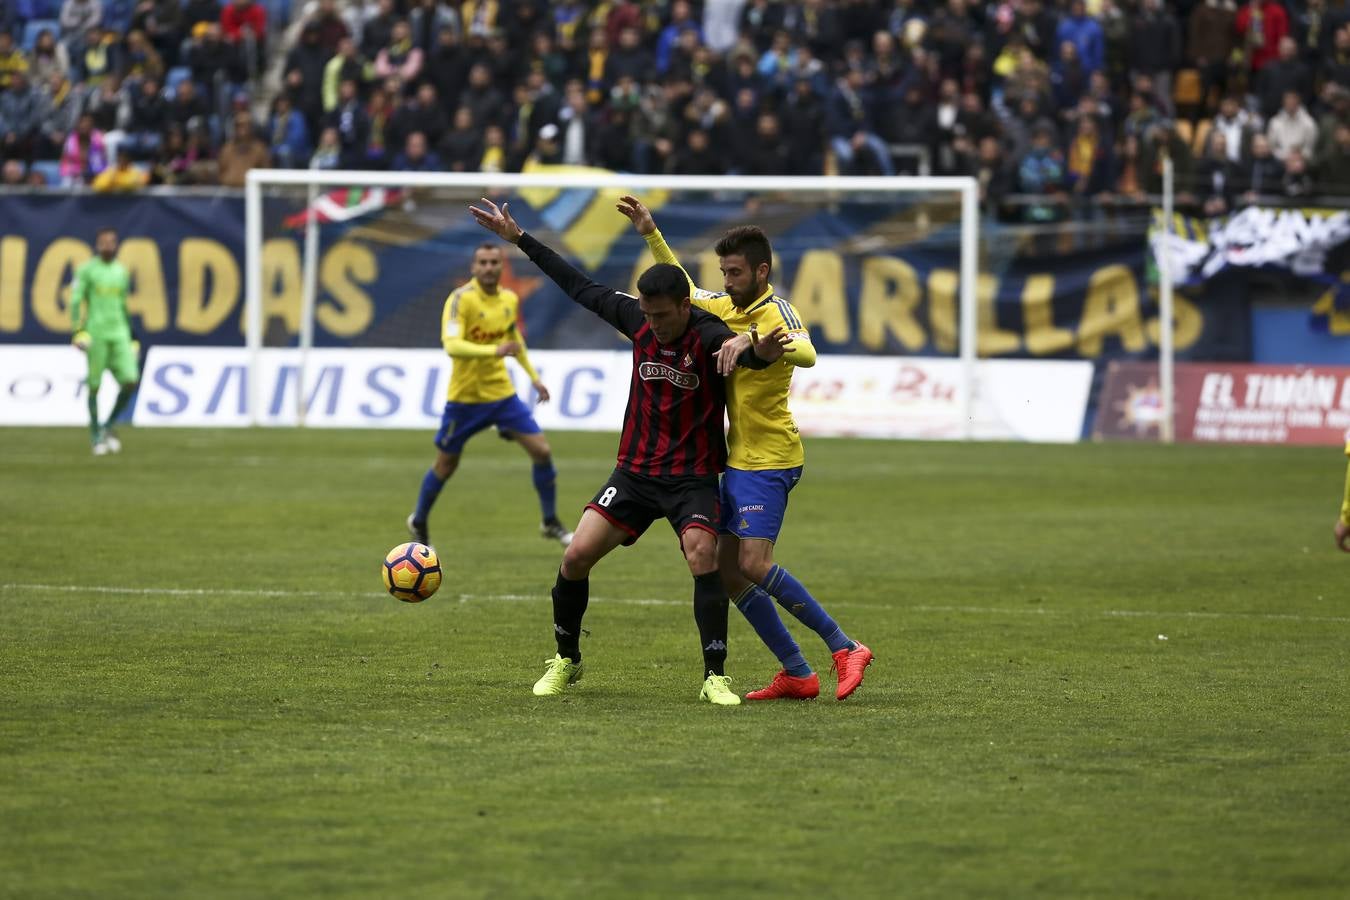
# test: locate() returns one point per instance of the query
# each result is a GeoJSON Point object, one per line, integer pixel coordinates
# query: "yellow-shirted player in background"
{"type": "Point", "coordinates": [764, 463]}
{"type": "Point", "coordinates": [478, 330]}
{"type": "Point", "coordinates": [1343, 523]}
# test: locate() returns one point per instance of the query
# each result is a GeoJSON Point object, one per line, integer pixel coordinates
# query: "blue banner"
{"type": "Point", "coordinates": [859, 279]}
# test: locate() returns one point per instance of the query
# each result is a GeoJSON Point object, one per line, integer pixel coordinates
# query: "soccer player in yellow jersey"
{"type": "Point", "coordinates": [764, 463]}
{"type": "Point", "coordinates": [1343, 523]}
{"type": "Point", "coordinates": [478, 330]}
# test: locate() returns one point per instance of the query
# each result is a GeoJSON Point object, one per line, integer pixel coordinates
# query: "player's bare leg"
{"type": "Point", "coordinates": [441, 470]}
{"type": "Point", "coordinates": [545, 479]}
{"type": "Point", "coordinates": [710, 612]}
{"type": "Point", "coordinates": [595, 537]}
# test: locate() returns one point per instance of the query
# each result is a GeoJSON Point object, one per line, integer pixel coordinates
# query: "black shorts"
{"type": "Point", "coordinates": [633, 502]}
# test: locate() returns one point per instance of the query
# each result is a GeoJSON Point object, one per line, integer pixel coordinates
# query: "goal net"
{"type": "Point", "coordinates": [347, 274]}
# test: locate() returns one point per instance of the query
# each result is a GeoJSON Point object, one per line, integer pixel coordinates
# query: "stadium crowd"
{"type": "Point", "coordinates": [1062, 101]}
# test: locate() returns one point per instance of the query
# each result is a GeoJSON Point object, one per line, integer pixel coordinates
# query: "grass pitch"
{"type": "Point", "coordinates": [1101, 671]}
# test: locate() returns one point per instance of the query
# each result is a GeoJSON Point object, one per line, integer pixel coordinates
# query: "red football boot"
{"type": "Point", "coordinates": [788, 687]}
{"type": "Point", "coordinates": [851, 665]}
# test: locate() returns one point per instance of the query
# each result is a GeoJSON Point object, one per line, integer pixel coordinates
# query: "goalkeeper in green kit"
{"type": "Point", "coordinates": [98, 312]}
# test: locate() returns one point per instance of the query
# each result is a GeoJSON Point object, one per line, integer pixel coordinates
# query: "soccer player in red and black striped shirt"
{"type": "Point", "coordinates": [671, 451]}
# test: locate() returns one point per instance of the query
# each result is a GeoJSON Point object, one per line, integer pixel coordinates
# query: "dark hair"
{"type": "Point", "coordinates": [664, 280]}
{"type": "Point", "coordinates": [486, 245]}
{"type": "Point", "coordinates": [106, 229]}
{"type": "Point", "coordinates": [748, 241]}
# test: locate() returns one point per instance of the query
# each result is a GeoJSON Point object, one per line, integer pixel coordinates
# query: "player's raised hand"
{"type": "Point", "coordinates": [637, 213]}
{"type": "Point", "coordinates": [497, 220]}
{"type": "Point", "coordinates": [542, 392]}
{"type": "Point", "coordinates": [730, 351]}
{"type": "Point", "coordinates": [1343, 536]}
{"type": "Point", "coordinates": [773, 345]}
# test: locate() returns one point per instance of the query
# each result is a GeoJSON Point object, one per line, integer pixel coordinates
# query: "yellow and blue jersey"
{"type": "Point", "coordinates": [1345, 505]}
{"type": "Point", "coordinates": [762, 434]}
{"type": "Point", "coordinates": [473, 323]}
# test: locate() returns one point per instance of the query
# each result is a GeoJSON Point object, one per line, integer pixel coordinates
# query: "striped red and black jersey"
{"type": "Point", "coordinates": [676, 400]}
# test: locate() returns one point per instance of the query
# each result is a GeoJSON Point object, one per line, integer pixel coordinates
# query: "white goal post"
{"type": "Point", "coordinates": [260, 179]}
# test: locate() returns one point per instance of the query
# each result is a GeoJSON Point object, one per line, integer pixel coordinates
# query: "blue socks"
{"type": "Point", "coordinates": [546, 484]}
{"type": "Point", "coordinates": [431, 489]}
{"type": "Point", "coordinates": [758, 610]}
{"type": "Point", "coordinates": [796, 599]}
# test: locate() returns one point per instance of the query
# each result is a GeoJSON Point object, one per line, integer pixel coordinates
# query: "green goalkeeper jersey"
{"type": "Point", "coordinates": [98, 301]}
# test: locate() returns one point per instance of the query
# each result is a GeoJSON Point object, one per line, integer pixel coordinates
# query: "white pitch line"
{"type": "Point", "coordinates": [653, 601]}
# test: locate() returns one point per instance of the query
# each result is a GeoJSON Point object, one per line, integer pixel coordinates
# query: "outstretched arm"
{"type": "Point", "coordinates": [618, 309]}
{"type": "Point", "coordinates": [645, 225]}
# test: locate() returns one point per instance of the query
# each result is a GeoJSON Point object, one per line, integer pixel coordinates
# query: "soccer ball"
{"type": "Point", "coordinates": [412, 572]}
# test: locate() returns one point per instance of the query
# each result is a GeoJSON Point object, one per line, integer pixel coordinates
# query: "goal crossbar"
{"type": "Point", "coordinates": [966, 187]}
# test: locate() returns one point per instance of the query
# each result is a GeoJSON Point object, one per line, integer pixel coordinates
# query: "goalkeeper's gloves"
{"type": "Point", "coordinates": [82, 340]}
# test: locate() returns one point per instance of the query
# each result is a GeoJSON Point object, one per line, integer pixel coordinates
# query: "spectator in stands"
{"type": "Point", "coordinates": [1287, 73]}
{"type": "Point", "coordinates": [242, 152]}
{"type": "Point", "coordinates": [1087, 160]}
{"type": "Point", "coordinates": [1068, 79]}
{"type": "Point", "coordinates": [330, 26]}
{"type": "Point", "coordinates": [447, 66]}
{"type": "Point", "coordinates": [162, 23]}
{"type": "Point", "coordinates": [494, 150]}
{"type": "Point", "coordinates": [60, 104]}
{"type": "Point", "coordinates": [1085, 33]}
{"type": "Point", "coordinates": [78, 18]}
{"type": "Point", "coordinates": [20, 118]}
{"type": "Point", "coordinates": [84, 155]}
{"type": "Point", "coordinates": [849, 121]}
{"type": "Point", "coordinates": [140, 59]}
{"type": "Point", "coordinates": [577, 127]}
{"type": "Point", "coordinates": [107, 105]}
{"type": "Point", "coordinates": [198, 11]}
{"type": "Point", "coordinates": [378, 30]}
{"type": "Point", "coordinates": [1262, 174]}
{"type": "Point", "coordinates": [13, 174]}
{"type": "Point", "coordinates": [1335, 113]}
{"type": "Point", "coordinates": [1261, 25]}
{"type": "Point", "coordinates": [1216, 176]}
{"type": "Point", "coordinates": [427, 19]}
{"type": "Point", "coordinates": [288, 135]}
{"type": "Point", "coordinates": [1129, 181]}
{"type": "Point", "coordinates": [423, 113]}
{"type": "Point", "coordinates": [187, 109]}
{"type": "Point", "coordinates": [991, 171]}
{"type": "Point", "coordinates": [1209, 43]}
{"type": "Point", "coordinates": [1337, 67]}
{"type": "Point", "coordinates": [101, 57]}
{"type": "Point", "coordinates": [209, 55]}
{"type": "Point", "coordinates": [804, 124]}
{"type": "Point", "coordinates": [305, 66]}
{"type": "Point", "coordinates": [243, 23]}
{"type": "Point", "coordinates": [415, 156]}
{"type": "Point", "coordinates": [1041, 172]}
{"type": "Point", "coordinates": [379, 111]}
{"type": "Point", "coordinates": [1292, 128]}
{"type": "Point", "coordinates": [347, 65]}
{"type": "Point", "coordinates": [462, 148]}
{"type": "Point", "coordinates": [48, 58]}
{"type": "Point", "coordinates": [697, 157]}
{"type": "Point", "coordinates": [400, 56]}
{"type": "Point", "coordinates": [484, 101]}
{"type": "Point", "coordinates": [1156, 49]}
{"type": "Point", "coordinates": [914, 126]}
{"type": "Point", "coordinates": [12, 60]}
{"type": "Point", "coordinates": [170, 165]}
{"type": "Point", "coordinates": [147, 121]}
{"type": "Point", "coordinates": [352, 124]}
{"type": "Point", "coordinates": [328, 155]}
{"type": "Point", "coordinates": [121, 177]}
{"type": "Point", "coordinates": [1333, 171]}
{"type": "Point", "coordinates": [1236, 125]}
{"type": "Point", "coordinates": [1298, 181]}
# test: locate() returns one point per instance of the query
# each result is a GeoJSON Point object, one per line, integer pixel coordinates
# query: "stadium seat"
{"type": "Point", "coordinates": [50, 169]}
{"type": "Point", "coordinates": [1188, 91]}
{"type": "Point", "coordinates": [35, 27]}
{"type": "Point", "coordinates": [176, 76]}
